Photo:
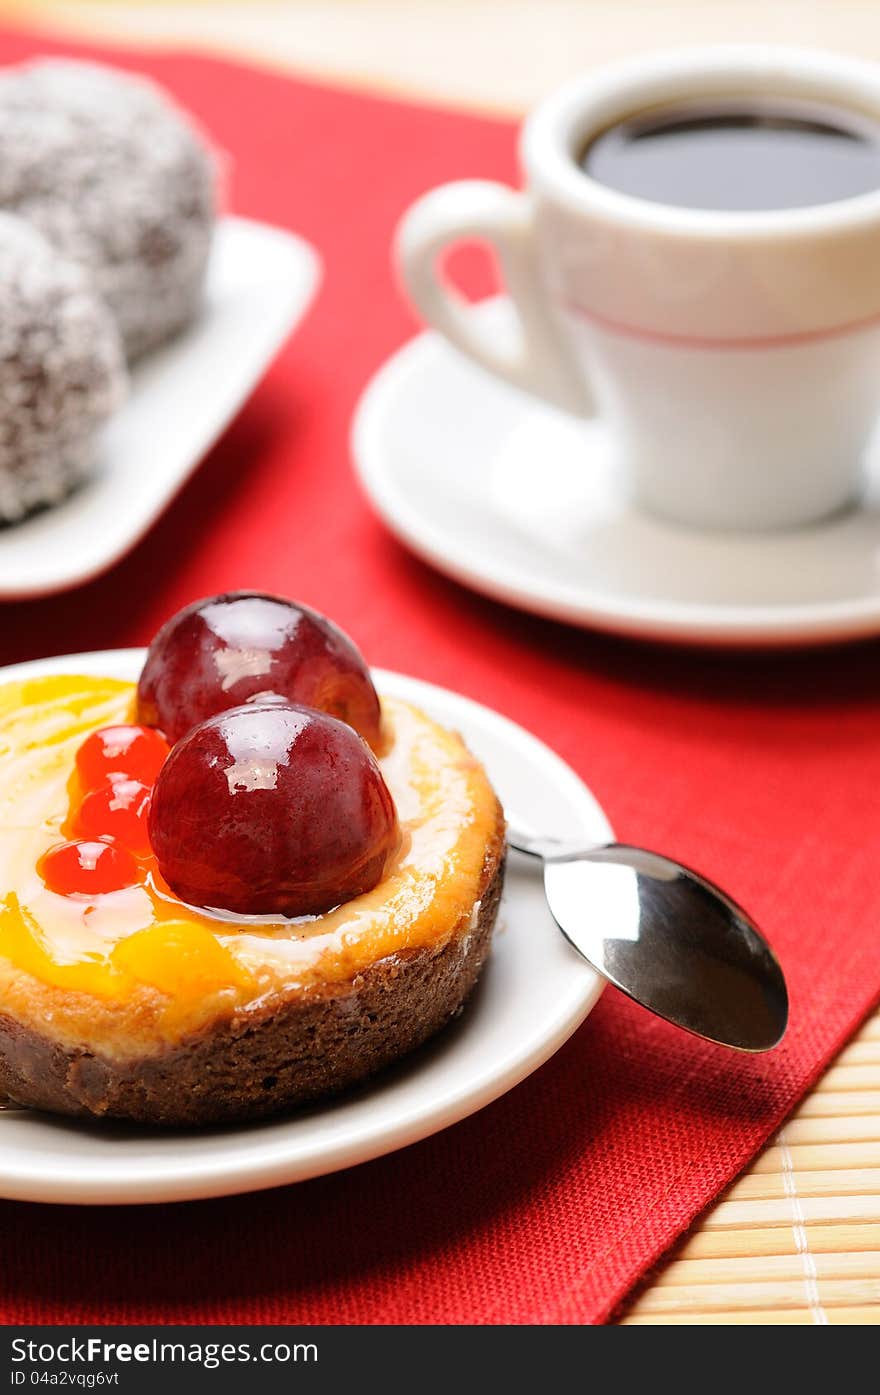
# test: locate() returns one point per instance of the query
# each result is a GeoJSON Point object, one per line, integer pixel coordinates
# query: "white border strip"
{"type": "Point", "coordinates": [799, 1231]}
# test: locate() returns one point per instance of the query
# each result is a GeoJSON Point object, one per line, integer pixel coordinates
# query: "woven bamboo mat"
{"type": "Point", "coordinates": [797, 1238]}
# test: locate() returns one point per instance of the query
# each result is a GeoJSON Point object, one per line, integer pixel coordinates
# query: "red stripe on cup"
{"type": "Point", "coordinates": [696, 341]}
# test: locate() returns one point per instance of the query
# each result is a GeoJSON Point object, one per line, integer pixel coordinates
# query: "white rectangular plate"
{"type": "Point", "coordinates": [259, 284]}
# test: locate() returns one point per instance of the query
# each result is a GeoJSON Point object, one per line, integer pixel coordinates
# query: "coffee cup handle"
{"type": "Point", "coordinates": [535, 357]}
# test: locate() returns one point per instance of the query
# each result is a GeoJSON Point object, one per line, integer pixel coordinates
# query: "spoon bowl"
{"type": "Point", "coordinates": [667, 937]}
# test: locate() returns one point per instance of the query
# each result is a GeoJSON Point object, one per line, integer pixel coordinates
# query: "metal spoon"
{"type": "Point", "coordinates": [667, 937]}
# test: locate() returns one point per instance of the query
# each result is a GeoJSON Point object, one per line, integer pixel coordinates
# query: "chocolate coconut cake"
{"type": "Point", "coordinates": [117, 179]}
{"type": "Point", "coordinates": [61, 370]}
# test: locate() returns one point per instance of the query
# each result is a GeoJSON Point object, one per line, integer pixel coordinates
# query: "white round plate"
{"type": "Point", "coordinates": [533, 994]}
{"type": "Point", "coordinates": [520, 502]}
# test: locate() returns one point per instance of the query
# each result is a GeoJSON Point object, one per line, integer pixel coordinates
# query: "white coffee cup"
{"type": "Point", "coordinates": [733, 356]}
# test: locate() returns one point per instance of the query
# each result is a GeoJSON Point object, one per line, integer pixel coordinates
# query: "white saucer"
{"type": "Point", "coordinates": [260, 281]}
{"type": "Point", "coordinates": [518, 501]}
{"type": "Point", "coordinates": [533, 994]}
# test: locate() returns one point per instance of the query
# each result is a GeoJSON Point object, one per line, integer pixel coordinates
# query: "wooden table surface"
{"type": "Point", "coordinates": [796, 1239]}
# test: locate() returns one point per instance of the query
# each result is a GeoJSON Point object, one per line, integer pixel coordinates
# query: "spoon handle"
{"type": "Point", "coordinates": [550, 849]}
{"type": "Point", "coordinates": [553, 851]}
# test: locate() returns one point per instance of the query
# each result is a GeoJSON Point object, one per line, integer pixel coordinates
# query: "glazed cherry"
{"type": "Point", "coordinates": [272, 810]}
{"type": "Point", "coordinates": [117, 810]}
{"type": "Point", "coordinates": [123, 751]}
{"type": "Point", "coordinates": [87, 868]}
{"type": "Point", "coordinates": [245, 646]}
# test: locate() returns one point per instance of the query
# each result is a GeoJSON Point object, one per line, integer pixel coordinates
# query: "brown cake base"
{"type": "Point", "coordinates": [256, 1064]}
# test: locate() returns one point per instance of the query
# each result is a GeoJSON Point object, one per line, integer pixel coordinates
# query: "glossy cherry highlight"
{"type": "Point", "coordinates": [124, 751]}
{"type": "Point", "coordinates": [244, 647]}
{"type": "Point", "coordinates": [87, 867]}
{"type": "Point", "coordinates": [272, 810]}
{"type": "Point", "coordinates": [118, 810]}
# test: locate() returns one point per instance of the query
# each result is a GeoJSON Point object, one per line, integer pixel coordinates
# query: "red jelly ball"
{"type": "Point", "coordinates": [118, 810]}
{"type": "Point", "coordinates": [272, 810]}
{"type": "Point", "coordinates": [86, 868]}
{"type": "Point", "coordinates": [245, 646]}
{"type": "Point", "coordinates": [124, 751]}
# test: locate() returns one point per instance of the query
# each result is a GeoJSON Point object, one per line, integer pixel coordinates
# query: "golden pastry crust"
{"type": "Point", "coordinates": [269, 1060]}
{"type": "Point", "coordinates": [275, 1014]}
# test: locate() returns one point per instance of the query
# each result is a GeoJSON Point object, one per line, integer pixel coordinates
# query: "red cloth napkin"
{"type": "Point", "coordinates": [762, 770]}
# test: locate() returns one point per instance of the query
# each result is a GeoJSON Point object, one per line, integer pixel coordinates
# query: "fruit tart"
{"type": "Point", "coordinates": [241, 884]}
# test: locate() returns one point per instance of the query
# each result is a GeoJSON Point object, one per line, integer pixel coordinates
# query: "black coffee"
{"type": "Point", "coordinates": [738, 156]}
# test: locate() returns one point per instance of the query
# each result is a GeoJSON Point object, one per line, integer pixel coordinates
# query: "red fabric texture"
{"type": "Point", "coordinates": [762, 770]}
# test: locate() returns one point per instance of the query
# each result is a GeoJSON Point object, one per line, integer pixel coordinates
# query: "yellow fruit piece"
{"type": "Point", "coordinates": [181, 959]}
{"type": "Point", "coordinates": [60, 706]}
{"type": "Point", "coordinates": [21, 943]}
